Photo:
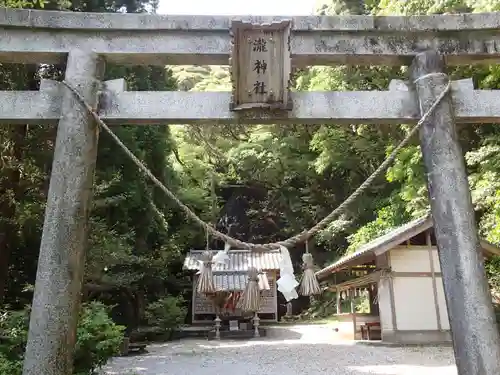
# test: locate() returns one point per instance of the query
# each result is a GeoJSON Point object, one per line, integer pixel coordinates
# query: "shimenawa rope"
{"type": "Point", "coordinates": [292, 241]}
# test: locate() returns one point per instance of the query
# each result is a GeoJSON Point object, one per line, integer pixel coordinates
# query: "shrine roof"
{"type": "Point", "coordinates": [236, 281]}
{"type": "Point", "coordinates": [239, 260]}
{"type": "Point", "coordinates": [390, 240]}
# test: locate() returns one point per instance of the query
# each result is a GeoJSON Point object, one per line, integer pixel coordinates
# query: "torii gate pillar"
{"type": "Point", "coordinates": [56, 301]}
{"type": "Point", "coordinates": [476, 339]}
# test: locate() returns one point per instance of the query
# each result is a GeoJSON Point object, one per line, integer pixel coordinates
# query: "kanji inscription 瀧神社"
{"type": "Point", "coordinates": [260, 66]}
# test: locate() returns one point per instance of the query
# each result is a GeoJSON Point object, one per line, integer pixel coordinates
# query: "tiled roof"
{"type": "Point", "coordinates": [383, 243]}
{"type": "Point", "coordinates": [236, 281]}
{"type": "Point", "coordinates": [390, 240]}
{"type": "Point", "coordinates": [239, 260]}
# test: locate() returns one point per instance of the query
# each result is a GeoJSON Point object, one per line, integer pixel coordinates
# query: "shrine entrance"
{"type": "Point", "coordinates": [263, 53]}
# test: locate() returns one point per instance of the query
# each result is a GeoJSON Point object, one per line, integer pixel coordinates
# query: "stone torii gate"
{"type": "Point", "coordinates": [262, 52]}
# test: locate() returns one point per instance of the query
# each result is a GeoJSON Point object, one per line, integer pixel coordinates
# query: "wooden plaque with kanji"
{"type": "Point", "coordinates": [260, 66]}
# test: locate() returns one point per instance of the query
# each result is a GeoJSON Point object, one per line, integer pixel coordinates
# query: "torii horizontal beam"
{"type": "Point", "coordinates": [119, 107]}
{"type": "Point", "coordinates": [33, 36]}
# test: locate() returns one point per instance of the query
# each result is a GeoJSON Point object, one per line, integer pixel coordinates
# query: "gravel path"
{"type": "Point", "coordinates": [308, 354]}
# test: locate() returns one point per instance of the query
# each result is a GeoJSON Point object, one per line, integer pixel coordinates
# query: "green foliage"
{"type": "Point", "coordinates": [10, 367]}
{"type": "Point", "coordinates": [137, 237]}
{"type": "Point", "coordinates": [409, 197]}
{"type": "Point", "coordinates": [408, 170]}
{"type": "Point", "coordinates": [322, 307]}
{"type": "Point", "coordinates": [485, 184]}
{"type": "Point", "coordinates": [492, 266]}
{"type": "Point", "coordinates": [387, 219]}
{"type": "Point", "coordinates": [13, 335]}
{"type": "Point", "coordinates": [271, 181]}
{"type": "Point", "coordinates": [37, 4]}
{"type": "Point", "coordinates": [362, 304]}
{"type": "Point", "coordinates": [167, 313]}
{"type": "Point", "coordinates": [98, 339]}
{"type": "Point", "coordinates": [306, 171]}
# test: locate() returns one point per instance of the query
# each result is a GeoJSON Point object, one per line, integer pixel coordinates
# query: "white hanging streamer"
{"type": "Point", "coordinates": [201, 262]}
{"type": "Point", "coordinates": [290, 296]}
{"type": "Point", "coordinates": [287, 282]}
{"type": "Point", "coordinates": [222, 256]}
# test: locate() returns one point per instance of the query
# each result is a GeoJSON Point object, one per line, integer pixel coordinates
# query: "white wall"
{"type": "Point", "coordinates": [414, 301]}
{"type": "Point", "coordinates": [414, 295]}
{"type": "Point", "coordinates": [410, 260]}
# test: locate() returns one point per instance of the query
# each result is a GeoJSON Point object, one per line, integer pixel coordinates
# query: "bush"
{"type": "Point", "coordinates": [98, 339]}
{"type": "Point", "coordinates": [10, 367]}
{"type": "Point", "coordinates": [167, 313]}
{"type": "Point", "coordinates": [13, 335]}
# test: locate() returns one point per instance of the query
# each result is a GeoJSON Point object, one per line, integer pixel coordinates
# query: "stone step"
{"type": "Point", "coordinates": [240, 334]}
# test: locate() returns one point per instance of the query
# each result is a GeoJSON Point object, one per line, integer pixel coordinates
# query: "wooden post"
{"type": "Point", "coordinates": [337, 296]}
{"type": "Point", "coordinates": [428, 242]}
{"type": "Point", "coordinates": [353, 311]}
{"type": "Point", "coordinates": [56, 301]}
{"type": "Point", "coordinates": [372, 294]}
{"type": "Point", "coordinates": [351, 300]}
{"type": "Point", "coordinates": [475, 335]}
{"type": "Point", "coordinates": [275, 296]}
{"type": "Point", "coordinates": [193, 300]}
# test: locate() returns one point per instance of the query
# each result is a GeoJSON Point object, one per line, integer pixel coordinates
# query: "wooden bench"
{"type": "Point", "coordinates": [368, 328]}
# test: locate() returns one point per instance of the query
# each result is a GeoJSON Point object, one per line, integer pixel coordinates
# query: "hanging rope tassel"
{"type": "Point", "coordinates": [250, 298]}
{"type": "Point", "coordinates": [205, 283]}
{"type": "Point", "coordinates": [309, 285]}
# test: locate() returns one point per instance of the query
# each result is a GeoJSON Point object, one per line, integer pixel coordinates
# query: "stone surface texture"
{"type": "Point", "coordinates": [473, 325]}
{"type": "Point", "coordinates": [34, 36]}
{"type": "Point", "coordinates": [56, 300]}
{"type": "Point", "coordinates": [117, 106]}
{"type": "Point", "coordinates": [306, 350]}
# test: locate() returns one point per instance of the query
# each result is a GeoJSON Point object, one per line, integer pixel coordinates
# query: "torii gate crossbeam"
{"type": "Point", "coordinates": [35, 36]}
{"type": "Point", "coordinates": [87, 39]}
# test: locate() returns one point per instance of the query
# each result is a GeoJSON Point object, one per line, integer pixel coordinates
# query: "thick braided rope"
{"type": "Point", "coordinates": [292, 241]}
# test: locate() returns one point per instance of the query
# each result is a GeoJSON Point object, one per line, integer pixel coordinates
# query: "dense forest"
{"type": "Point", "coordinates": [258, 183]}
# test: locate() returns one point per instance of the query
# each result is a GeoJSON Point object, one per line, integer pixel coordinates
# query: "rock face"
{"type": "Point", "coordinates": [202, 77]}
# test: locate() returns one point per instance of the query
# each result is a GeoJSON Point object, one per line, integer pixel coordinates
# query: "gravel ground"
{"type": "Point", "coordinates": [308, 353]}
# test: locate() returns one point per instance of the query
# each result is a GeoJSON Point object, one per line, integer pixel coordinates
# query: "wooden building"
{"type": "Point", "coordinates": [231, 278]}
{"type": "Point", "coordinates": [400, 274]}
